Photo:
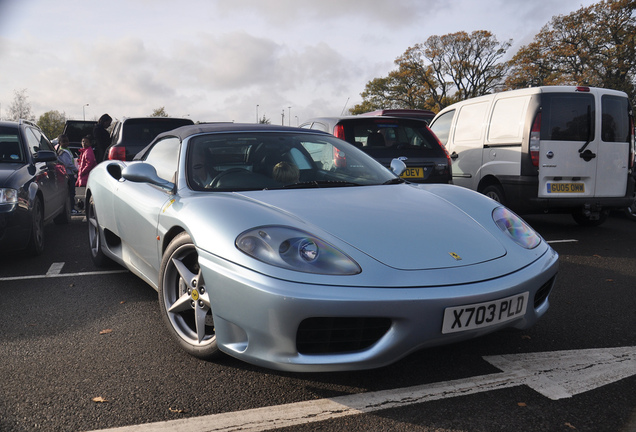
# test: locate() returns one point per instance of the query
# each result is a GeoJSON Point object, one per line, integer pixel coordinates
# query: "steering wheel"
{"type": "Point", "coordinates": [215, 180]}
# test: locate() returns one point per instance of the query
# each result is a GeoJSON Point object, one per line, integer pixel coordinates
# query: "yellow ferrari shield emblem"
{"type": "Point", "coordinates": [195, 295]}
{"type": "Point", "coordinates": [454, 255]}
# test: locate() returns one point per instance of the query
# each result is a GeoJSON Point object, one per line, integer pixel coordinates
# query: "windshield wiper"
{"type": "Point", "coordinates": [320, 184]}
{"type": "Point", "coordinates": [396, 180]}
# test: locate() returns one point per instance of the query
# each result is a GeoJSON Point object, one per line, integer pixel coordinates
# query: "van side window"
{"type": "Point", "coordinates": [442, 126]}
{"type": "Point", "coordinates": [507, 120]}
{"type": "Point", "coordinates": [614, 119]}
{"type": "Point", "coordinates": [567, 117]}
{"type": "Point", "coordinates": [472, 118]}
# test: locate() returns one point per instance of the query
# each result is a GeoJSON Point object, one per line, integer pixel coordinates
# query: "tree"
{"type": "Point", "coordinates": [52, 123]}
{"type": "Point", "coordinates": [159, 112]}
{"type": "Point", "coordinates": [20, 108]}
{"type": "Point", "coordinates": [594, 45]}
{"type": "Point", "coordinates": [442, 70]}
{"type": "Point", "coordinates": [264, 120]}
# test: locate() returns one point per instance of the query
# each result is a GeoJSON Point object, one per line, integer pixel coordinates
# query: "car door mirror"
{"type": "Point", "coordinates": [398, 166]}
{"type": "Point", "coordinates": [142, 172]}
{"type": "Point", "coordinates": [45, 156]}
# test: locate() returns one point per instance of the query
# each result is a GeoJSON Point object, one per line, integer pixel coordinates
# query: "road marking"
{"type": "Point", "coordinates": [556, 375]}
{"type": "Point", "coordinates": [55, 269]}
{"type": "Point", "coordinates": [562, 241]}
{"type": "Point", "coordinates": [58, 275]}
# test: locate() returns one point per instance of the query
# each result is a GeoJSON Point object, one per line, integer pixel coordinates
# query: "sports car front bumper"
{"type": "Point", "coordinates": [274, 323]}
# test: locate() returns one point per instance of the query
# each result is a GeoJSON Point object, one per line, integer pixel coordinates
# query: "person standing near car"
{"type": "Point", "coordinates": [86, 162]}
{"type": "Point", "coordinates": [102, 137]}
{"type": "Point", "coordinates": [66, 157]}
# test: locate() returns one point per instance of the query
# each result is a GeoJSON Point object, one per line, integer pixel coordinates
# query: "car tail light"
{"type": "Point", "coordinates": [584, 89]}
{"type": "Point", "coordinates": [448, 158]}
{"type": "Point", "coordinates": [117, 153]}
{"type": "Point", "coordinates": [535, 140]}
{"type": "Point", "coordinates": [338, 131]}
{"type": "Point", "coordinates": [631, 142]}
{"type": "Point", "coordinates": [339, 158]}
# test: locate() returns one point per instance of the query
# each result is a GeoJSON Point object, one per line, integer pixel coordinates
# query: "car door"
{"type": "Point", "coordinates": [137, 208]}
{"type": "Point", "coordinates": [614, 146]}
{"type": "Point", "coordinates": [50, 176]}
{"type": "Point", "coordinates": [568, 145]}
{"type": "Point", "coordinates": [467, 143]}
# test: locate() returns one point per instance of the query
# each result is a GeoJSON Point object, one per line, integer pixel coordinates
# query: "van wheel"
{"type": "Point", "coordinates": [494, 192]}
{"type": "Point", "coordinates": [587, 219]}
{"type": "Point", "coordinates": [630, 211]}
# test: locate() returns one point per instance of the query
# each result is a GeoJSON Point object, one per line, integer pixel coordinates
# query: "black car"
{"type": "Point", "coordinates": [385, 138]}
{"type": "Point", "coordinates": [131, 135]}
{"type": "Point", "coordinates": [33, 187]}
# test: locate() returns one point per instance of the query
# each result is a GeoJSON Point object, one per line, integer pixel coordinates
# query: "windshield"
{"type": "Point", "coordinates": [10, 149]}
{"type": "Point", "coordinates": [275, 160]}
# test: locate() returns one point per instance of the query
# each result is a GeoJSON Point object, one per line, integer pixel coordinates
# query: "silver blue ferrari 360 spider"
{"type": "Point", "coordinates": [294, 250]}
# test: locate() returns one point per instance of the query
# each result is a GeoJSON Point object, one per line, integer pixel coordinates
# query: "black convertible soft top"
{"type": "Point", "coordinates": [184, 132]}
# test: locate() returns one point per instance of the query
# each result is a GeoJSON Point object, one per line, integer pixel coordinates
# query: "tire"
{"type": "Point", "coordinates": [36, 241]}
{"type": "Point", "coordinates": [185, 301]}
{"type": "Point", "coordinates": [64, 217]}
{"type": "Point", "coordinates": [494, 192]}
{"type": "Point", "coordinates": [95, 238]}
{"type": "Point", "coordinates": [585, 220]}
{"type": "Point", "coordinates": [630, 212]}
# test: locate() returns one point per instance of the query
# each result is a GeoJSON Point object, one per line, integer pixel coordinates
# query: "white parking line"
{"type": "Point", "coordinates": [50, 274]}
{"type": "Point", "coordinates": [562, 241]}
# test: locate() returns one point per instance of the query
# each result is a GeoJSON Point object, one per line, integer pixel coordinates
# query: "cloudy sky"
{"type": "Point", "coordinates": [216, 60]}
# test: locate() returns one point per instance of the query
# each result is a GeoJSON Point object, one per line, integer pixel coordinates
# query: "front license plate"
{"type": "Point", "coordinates": [479, 315]}
{"type": "Point", "coordinates": [566, 187]}
{"type": "Point", "coordinates": [413, 173]}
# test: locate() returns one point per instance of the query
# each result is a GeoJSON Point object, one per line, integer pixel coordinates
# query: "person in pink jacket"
{"type": "Point", "coordinates": [86, 162]}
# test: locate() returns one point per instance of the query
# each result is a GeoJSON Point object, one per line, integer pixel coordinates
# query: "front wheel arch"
{"type": "Point", "coordinates": [184, 299]}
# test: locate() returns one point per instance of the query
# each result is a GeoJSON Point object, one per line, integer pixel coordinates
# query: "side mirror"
{"type": "Point", "coordinates": [141, 172]}
{"type": "Point", "coordinates": [45, 156]}
{"type": "Point", "coordinates": [398, 166]}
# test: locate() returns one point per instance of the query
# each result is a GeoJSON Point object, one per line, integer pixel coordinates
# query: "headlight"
{"type": "Point", "coordinates": [8, 196]}
{"type": "Point", "coordinates": [516, 228]}
{"type": "Point", "coordinates": [295, 250]}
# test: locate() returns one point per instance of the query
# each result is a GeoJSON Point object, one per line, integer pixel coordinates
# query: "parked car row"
{"type": "Point", "coordinates": [33, 187]}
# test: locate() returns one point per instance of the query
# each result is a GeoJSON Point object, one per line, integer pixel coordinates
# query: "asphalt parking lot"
{"type": "Point", "coordinates": [85, 349]}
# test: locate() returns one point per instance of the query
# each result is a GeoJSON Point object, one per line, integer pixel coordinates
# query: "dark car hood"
{"type": "Point", "coordinates": [7, 171]}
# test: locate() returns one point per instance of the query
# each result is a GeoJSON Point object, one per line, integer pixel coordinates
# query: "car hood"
{"type": "Point", "coordinates": [8, 170]}
{"type": "Point", "coordinates": [412, 229]}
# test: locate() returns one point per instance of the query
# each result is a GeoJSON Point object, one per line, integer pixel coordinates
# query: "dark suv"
{"type": "Point", "coordinates": [385, 138]}
{"type": "Point", "coordinates": [131, 135]}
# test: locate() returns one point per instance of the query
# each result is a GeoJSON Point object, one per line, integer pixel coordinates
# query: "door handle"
{"type": "Point", "coordinates": [587, 155]}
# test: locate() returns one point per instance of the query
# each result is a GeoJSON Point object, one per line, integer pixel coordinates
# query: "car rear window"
{"type": "Point", "coordinates": [382, 137]}
{"type": "Point", "coordinates": [567, 117]}
{"type": "Point", "coordinates": [142, 131]}
{"type": "Point", "coordinates": [615, 119]}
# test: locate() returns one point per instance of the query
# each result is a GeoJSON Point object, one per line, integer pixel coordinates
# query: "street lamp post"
{"type": "Point", "coordinates": [289, 116]}
{"type": "Point", "coordinates": [256, 113]}
{"type": "Point", "coordinates": [84, 111]}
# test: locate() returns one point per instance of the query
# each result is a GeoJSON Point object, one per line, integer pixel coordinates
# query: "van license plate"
{"type": "Point", "coordinates": [566, 187]}
{"type": "Point", "coordinates": [479, 315]}
{"type": "Point", "coordinates": [413, 173]}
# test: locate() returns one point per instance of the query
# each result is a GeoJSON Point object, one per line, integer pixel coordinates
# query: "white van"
{"type": "Point", "coordinates": [544, 149]}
